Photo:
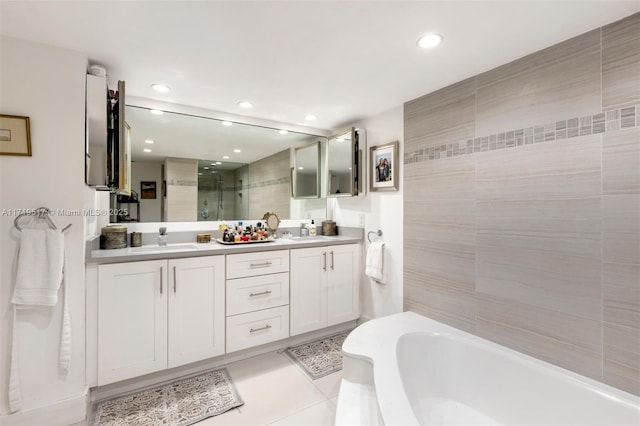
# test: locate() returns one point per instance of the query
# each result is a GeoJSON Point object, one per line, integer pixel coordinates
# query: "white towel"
{"type": "Point", "coordinates": [41, 265]}
{"type": "Point", "coordinates": [375, 262]}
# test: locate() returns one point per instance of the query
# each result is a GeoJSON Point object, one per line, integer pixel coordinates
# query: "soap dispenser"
{"type": "Point", "coordinates": [312, 229]}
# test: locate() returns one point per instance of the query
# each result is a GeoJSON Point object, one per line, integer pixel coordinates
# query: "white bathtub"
{"type": "Point", "coordinates": [406, 369]}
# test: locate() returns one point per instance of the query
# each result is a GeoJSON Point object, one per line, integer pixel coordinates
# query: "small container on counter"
{"type": "Point", "coordinates": [328, 227]}
{"type": "Point", "coordinates": [113, 237]}
{"type": "Point", "coordinates": [203, 238]}
{"type": "Point", "coordinates": [136, 239]}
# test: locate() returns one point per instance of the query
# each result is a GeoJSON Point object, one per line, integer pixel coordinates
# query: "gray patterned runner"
{"type": "Point", "coordinates": [183, 402]}
{"type": "Point", "coordinates": [321, 357]}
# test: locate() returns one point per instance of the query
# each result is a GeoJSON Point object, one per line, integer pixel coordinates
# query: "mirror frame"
{"type": "Point", "coordinates": [354, 161]}
{"type": "Point", "coordinates": [294, 173]}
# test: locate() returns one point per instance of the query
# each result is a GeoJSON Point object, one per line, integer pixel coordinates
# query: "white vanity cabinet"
{"type": "Point", "coordinates": [324, 287]}
{"type": "Point", "coordinates": [158, 314]}
{"type": "Point", "coordinates": [257, 298]}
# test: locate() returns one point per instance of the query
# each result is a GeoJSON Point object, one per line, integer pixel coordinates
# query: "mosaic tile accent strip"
{"type": "Point", "coordinates": [262, 184]}
{"type": "Point", "coordinates": [182, 182]}
{"type": "Point", "coordinates": [321, 357]}
{"type": "Point", "coordinates": [602, 122]}
{"type": "Point", "coordinates": [180, 403]}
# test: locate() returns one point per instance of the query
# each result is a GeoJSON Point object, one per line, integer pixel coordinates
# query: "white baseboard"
{"type": "Point", "coordinates": [62, 413]}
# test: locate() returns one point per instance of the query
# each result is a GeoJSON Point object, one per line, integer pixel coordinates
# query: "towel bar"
{"type": "Point", "coordinates": [40, 213]}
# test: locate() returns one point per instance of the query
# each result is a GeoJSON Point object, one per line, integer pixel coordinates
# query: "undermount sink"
{"type": "Point", "coordinates": [187, 246]}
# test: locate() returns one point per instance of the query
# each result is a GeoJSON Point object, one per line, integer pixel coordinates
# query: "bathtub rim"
{"type": "Point", "coordinates": [376, 342]}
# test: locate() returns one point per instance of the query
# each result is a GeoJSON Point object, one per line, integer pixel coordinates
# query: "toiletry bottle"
{"type": "Point", "coordinates": [312, 229]}
{"type": "Point", "coordinates": [162, 237]}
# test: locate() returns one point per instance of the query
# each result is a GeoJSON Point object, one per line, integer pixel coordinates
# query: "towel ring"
{"type": "Point", "coordinates": [40, 213]}
{"type": "Point", "coordinates": [378, 233]}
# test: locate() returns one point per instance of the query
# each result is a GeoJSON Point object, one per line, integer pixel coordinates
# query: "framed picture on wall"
{"type": "Point", "coordinates": [15, 137]}
{"type": "Point", "coordinates": [148, 190]}
{"type": "Point", "coordinates": [383, 166]}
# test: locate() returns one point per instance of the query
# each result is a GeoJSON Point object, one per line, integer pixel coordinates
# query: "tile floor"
{"type": "Point", "coordinates": [276, 392]}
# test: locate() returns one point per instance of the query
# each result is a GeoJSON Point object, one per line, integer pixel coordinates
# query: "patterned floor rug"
{"type": "Point", "coordinates": [183, 402]}
{"type": "Point", "coordinates": [320, 357]}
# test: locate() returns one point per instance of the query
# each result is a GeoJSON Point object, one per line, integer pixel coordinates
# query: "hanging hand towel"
{"type": "Point", "coordinates": [39, 267]}
{"type": "Point", "coordinates": [39, 277]}
{"type": "Point", "coordinates": [375, 262]}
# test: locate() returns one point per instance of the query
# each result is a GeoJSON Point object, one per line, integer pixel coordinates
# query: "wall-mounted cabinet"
{"type": "Point", "coordinates": [343, 164]}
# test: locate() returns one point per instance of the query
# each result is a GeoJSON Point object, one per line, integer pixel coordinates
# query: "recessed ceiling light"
{"type": "Point", "coordinates": [199, 174]}
{"type": "Point", "coordinates": [300, 168]}
{"type": "Point", "coordinates": [160, 88]}
{"type": "Point", "coordinates": [220, 162]}
{"type": "Point", "coordinates": [225, 157]}
{"type": "Point", "coordinates": [245, 104]}
{"type": "Point", "coordinates": [146, 150]}
{"type": "Point", "coordinates": [283, 132]}
{"type": "Point", "coordinates": [310, 117]}
{"type": "Point", "coordinates": [148, 141]}
{"type": "Point", "coordinates": [156, 112]}
{"type": "Point", "coordinates": [429, 40]}
{"type": "Point", "coordinates": [226, 123]}
{"type": "Point", "coordinates": [237, 151]}
{"type": "Point", "coordinates": [206, 168]}
{"type": "Point", "coordinates": [213, 164]}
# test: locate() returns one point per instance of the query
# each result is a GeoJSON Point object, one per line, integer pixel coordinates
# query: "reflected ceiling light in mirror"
{"type": "Point", "coordinates": [220, 162]}
{"type": "Point", "coordinates": [300, 168]}
{"type": "Point", "coordinates": [148, 141]}
{"type": "Point", "coordinates": [429, 40]}
{"type": "Point", "coordinates": [146, 150]}
{"type": "Point", "coordinates": [206, 168]}
{"type": "Point", "coordinates": [237, 151]}
{"type": "Point", "coordinates": [156, 111]}
{"type": "Point", "coordinates": [160, 88]}
{"type": "Point", "coordinates": [340, 139]}
{"type": "Point", "coordinates": [226, 123]}
{"type": "Point", "coordinates": [283, 132]}
{"type": "Point", "coordinates": [199, 174]}
{"type": "Point", "coordinates": [245, 104]}
{"type": "Point", "coordinates": [310, 117]}
{"type": "Point", "coordinates": [225, 157]}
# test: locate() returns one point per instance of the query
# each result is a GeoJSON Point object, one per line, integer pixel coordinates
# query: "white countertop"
{"type": "Point", "coordinates": [172, 251]}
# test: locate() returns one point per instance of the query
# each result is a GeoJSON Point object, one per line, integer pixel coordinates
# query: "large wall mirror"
{"type": "Point", "coordinates": [187, 168]}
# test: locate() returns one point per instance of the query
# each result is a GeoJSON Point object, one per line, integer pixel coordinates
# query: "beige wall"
{"type": "Point", "coordinates": [182, 189]}
{"type": "Point", "coordinates": [522, 204]}
{"type": "Point", "coordinates": [270, 186]}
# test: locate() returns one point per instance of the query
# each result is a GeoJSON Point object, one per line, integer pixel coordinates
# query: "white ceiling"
{"type": "Point", "coordinates": [341, 60]}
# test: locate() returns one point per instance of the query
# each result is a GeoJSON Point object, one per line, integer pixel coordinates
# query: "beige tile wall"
{"type": "Point", "coordinates": [531, 238]}
{"type": "Point", "coordinates": [270, 186]}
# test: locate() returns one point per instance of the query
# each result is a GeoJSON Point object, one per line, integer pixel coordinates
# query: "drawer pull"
{"type": "Point", "coordinates": [262, 293]}
{"type": "Point", "coordinates": [332, 260]}
{"type": "Point", "coordinates": [161, 274]}
{"type": "Point", "coordinates": [324, 261]}
{"type": "Point", "coordinates": [266, 327]}
{"type": "Point", "coordinates": [260, 265]}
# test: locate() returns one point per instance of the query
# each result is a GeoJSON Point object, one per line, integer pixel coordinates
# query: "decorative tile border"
{"type": "Point", "coordinates": [602, 122]}
{"type": "Point", "coordinates": [261, 184]}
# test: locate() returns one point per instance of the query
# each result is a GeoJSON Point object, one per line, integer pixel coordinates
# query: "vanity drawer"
{"type": "Point", "coordinates": [257, 328]}
{"type": "Point", "coordinates": [259, 263]}
{"type": "Point", "coordinates": [256, 293]}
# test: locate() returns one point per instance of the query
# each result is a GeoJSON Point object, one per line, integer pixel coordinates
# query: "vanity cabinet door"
{"type": "Point", "coordinates": [196, 309]}
{"type": "Point", "coordinates": [308, 290]}
{"type": "Point", "coordinates": [343, 289]}
{"type": "Point", "coordinates": [132, 319]}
